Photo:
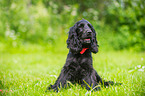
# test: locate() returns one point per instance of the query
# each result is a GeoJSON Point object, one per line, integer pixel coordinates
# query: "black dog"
{"type": "Point", "coordinates": [78, 67]}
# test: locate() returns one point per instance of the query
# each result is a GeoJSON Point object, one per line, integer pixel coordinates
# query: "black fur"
{"type": "Point", "coordinates": [78, 67]}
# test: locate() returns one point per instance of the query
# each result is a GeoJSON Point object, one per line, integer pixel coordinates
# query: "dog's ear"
{"type": "Point", "coordinates": [94, 44]}
{"type": "Point", "coordinates": [73, 42]}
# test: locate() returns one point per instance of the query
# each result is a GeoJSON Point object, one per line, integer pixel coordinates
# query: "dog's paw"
{"type": "Point", "coordinates": [97, 88]}
{"type": "Point", "coordinates": [52, 87]}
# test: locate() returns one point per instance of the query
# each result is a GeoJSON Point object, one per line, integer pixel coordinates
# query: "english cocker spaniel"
{"type": "Point", "coordinates": [78, 67]}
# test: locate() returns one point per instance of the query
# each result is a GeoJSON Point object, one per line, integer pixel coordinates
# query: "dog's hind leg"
{"type": "Point", "coordinates": [90, 82]}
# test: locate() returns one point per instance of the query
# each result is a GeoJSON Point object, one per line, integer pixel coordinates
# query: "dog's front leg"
{"type": "Point", "coordinates": [61, 81]}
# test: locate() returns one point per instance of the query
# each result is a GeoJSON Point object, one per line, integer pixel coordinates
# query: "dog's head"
{"type": "Point", "coordinates": [82, 35]}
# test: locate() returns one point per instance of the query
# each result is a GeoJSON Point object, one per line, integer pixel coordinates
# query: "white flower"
{"type": "Point", "coordinates": [138, 66]}
{"type": "Point", "coordinates": [143, 67]}
{"type": "Point", "coordinates": [141, 70]}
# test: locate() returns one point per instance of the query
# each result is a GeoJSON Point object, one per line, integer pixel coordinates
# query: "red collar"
{"type": "Point", "coordinates": [83, 50]}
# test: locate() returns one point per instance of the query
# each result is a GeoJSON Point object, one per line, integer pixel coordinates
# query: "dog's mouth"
{"type": "Point", "coordinates": [88, 40]}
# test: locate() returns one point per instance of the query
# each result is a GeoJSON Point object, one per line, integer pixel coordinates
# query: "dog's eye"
{"type": "Point", "coordinates": [81, 25]}
{"type": "Point", "coordinates": [89, 25]}
{"type": "Point", "coordinates": [79, 31]}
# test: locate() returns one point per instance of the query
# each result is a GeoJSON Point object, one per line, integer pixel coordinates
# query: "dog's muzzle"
{"type": "Point", "coordinates": [87, 41]}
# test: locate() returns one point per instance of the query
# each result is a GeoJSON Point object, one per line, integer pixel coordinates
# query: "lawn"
{"type": "Point", "coordinates": [28, 70]}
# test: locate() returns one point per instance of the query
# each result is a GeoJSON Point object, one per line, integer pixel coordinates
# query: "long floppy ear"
{"type": "Point", "coordinates": [94, 45]}
{"type": "Point", "coordinates": [73, 42]}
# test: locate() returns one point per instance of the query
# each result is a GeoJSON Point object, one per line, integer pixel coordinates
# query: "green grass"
{"type": "Point", "coordinates": [28, 70]}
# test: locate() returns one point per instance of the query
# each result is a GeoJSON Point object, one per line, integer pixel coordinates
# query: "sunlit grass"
{"type": "Point", "coordinates": [29, 69]}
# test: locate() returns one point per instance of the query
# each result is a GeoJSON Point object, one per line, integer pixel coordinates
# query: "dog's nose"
{"type": "Point", "coordinates": [89, 32]}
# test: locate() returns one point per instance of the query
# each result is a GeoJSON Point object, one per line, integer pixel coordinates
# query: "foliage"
{"type": "Point", "coordinates": [127, 19]}
{"type": "Point", "coordinates": [45, 21]}
{"type": "Point", "coordinates": [34, 23]}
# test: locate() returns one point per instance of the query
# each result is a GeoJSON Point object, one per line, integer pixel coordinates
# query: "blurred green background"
{"type": "Point", "coordinates": [120, 24]}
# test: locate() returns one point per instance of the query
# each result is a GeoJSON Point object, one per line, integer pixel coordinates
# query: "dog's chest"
{"type": "Point", "coordinates": [80, 65]}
